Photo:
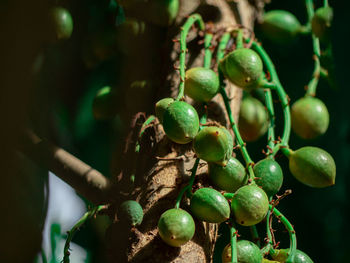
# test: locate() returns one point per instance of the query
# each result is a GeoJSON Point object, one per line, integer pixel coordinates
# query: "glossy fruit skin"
{"type": "Point", "coordinates": [201, 84]}
{"type": "Point", "coordinates": [161, 106]}
{"type": "Point", "coordinates": [253, 119]}
{"type": "Point", "coordinates": [321, 23]}
{"type": "Point", "coordinates": [210, 206]}
{"type": "Point", "coordinates": [213, 144]}
{"type": "Point", "coordinates": [249, 205]}
{"type": "Point", "coordinates": [313, 166]}
{"type": "Point", "coordinates": [270, 176]}
{"type": "Point", "coordinates": [104, 104]}
{"type": "Point", "coordinates": [229, 177]}
{"type": "Point", "coordinates": [247, 252]}
{"type": "Point", "coordinates": [242, 67]}
{"type": "Point", "coordinates": [280, 26]}
{"type": "Point", "coordinates": [176, 227]}
{"type": "Point", "coordinates": [131, 212]}
{"type": "Point", "coordinates": [310, 117]}
{"type": "Point", "coordinates": [299, 256]}
{"type": "Point", "coordinates": [181, 122]}
{"type": "Point", "coordinates": [61, 22]}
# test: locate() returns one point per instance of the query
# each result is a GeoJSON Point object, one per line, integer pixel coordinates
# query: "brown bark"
{"type": "Point", "coordinates": [158, 182]}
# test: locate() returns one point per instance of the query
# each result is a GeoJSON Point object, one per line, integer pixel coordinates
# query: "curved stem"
{"type": "Point", "coordinates": [207, 52]}
{"type": "Point", "coordinates": [271, 130]}
{"type": "Point", "coordinates": [76, 227]}
{"type": "Point", "coordinates": [233, 241]}
{"type": "Point", "coordinates": [291, 232]}
{"type": "Point", "coordinates": [239, 39]}
{"type": "Point", "coordinates": [195, 18]}
{"type": "Point", "coordinates": [147, 122]}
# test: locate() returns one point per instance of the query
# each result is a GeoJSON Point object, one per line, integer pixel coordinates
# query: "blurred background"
{"type": "Point", "coordinates": [51, 85]}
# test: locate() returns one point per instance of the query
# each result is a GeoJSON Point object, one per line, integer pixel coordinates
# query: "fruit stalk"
{"type": "Point", "coordinates": [195, 18]}
{"type": "Point", "coordinates": [233, 241]}
{"type": "Point", "coordinates": [207, 52]}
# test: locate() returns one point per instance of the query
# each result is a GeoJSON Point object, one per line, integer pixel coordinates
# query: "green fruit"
{"type": "Point", "coordinates": [299, 256]}
{"type": "Point", "coordinates": [176, 227]}
{"type": "Point", "coordinates": [161, 106]}
{"type": "Point", "coordinates": [249, 205]}
{"type": "Point", "coordinates": [247, 252]}
{"type": "Point", "coordinates": [242, 67]}
{"type": "Point", "coordinates": [131, 212]}
{"type": "Point", "coordinates": [181, 122]}
{"type": "Point", "coordinates": [280, 26]}
{"type": "Point", "coordinates": [253, 119]}
{"type": "Point", "coordinates": [310, 117]}
{"type": "Point", "coordinates": [229, 177]}
{"type": "Point", "coordinates": [104, 104]}
{"type": "Point", "coordinates": [201, 84]}
{"type": "Point", "coordinates": [269, 176]}
{"type": "Point", "coordinates": [210, 206]}
{"type": "Point", "coordinates": [321, 23]}
{"type": "Point", "coordinates": [61, 23]}
{"type": "Point", "coordinates": [213, 144]}
{"type": "Point", "coordinates": [265, 260]}
{"type": "Point", "coordinates": [312, 166]}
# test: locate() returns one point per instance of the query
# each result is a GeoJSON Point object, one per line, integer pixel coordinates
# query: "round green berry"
{"type": "Point", "coordinates": [161, 106]}
{"type": "Point", "coordinates": [210, 206]}
{"type": "Point", "coordinates": [280, 26]}
{"type": "Point", "coordinates": [180, 122]}
{"type": "Point", "coordinates": [131, 212]}
{"type": "Point", "coordinates": [249, 205]}
{"type": "Point", "coordinates": [201, 84]}
{"type": "Point", "coordinates": [269, 176]}
{"type": "Point", "coordinates": [312, 166]}
{"type": "Point", "coordinates": [176, 227]}
{"type": "Point", "coordinates": [281, 255]}
{"type": "Point", "coordinates": [253, 119]}
{"type": "Point", "coordinates": [229, 177]}
{"type": "Point", "coordinates": [61, 23]}
{"type": "Point", "coordinates": [310, 117]}
{"type": "Point", "coordinates": [321, 23]}
{"type": "Point", "coordinates": [242, 67]}
{"type": "Point", "coordinates": [213, 144]}
{"type": "Point", "coordinates": [104, 104]}
{"type": "Point", "coordinates": [247, 252]}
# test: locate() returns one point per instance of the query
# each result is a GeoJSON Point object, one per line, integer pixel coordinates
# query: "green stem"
{"type": "Point", "coordinates": [291, 232]}
{"type": "Point", "coordinates": [325, 3]}
{"type": "Point", "coordinates": [43, 256]}
{"type": "Point", "coordinates": [255, 235]}
{"type": "Point", "coordinates": [147, 122]}
{"type": "Point", "coordinates": [222, 46]}
{"type": "Point", "coordinates": [89, 214]}
{"type": "Point", "coordinates": [207, 52]}
{"type": "Point", "coordinates": [271, 130]}
{"type": "Point", "coordinates": [312, 85]}
{"type": "Point", "coordinates": [239, 39]}
{"type": "Point", "coordinates": [195, 18]}
{"type": "Point", "coordinates": [228, 196]}
{"type": "Point", "coordinates": [233, 240]}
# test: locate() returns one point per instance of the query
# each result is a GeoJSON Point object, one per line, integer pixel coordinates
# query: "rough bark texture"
{"type": "Point", "coordinates": [158, 182]}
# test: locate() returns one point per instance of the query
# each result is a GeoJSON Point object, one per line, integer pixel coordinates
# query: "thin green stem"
{"type": "Point", "coordinates": [239, 39]}
{"type": "Point", "coordinates": [147, 122]}
{"type": "Point", "coordinates": [43, 256]}
{"type": "Point", "coordinates": [222, 46]}
{"type": "Point", "coordinates": [76, 227]}
{"type": "Point", "coordinates": [233, 240]}
{"type": "Point", "coordinates": [255, 235]}
{"type": "Point", "coordinates": [312, 85]}
{"type": "Point", "coordinates": [207, 50]}
{"type": "Point", "coordinates": [325, 3]}
{"type": "Point", "coordinates": [195, 18]}
{"type": "Point", "coordinates": [271, 130]}
{"type": "Point", "coordinates": [228, 196]}
{"type": "Point", "coordinates": [291, 232]}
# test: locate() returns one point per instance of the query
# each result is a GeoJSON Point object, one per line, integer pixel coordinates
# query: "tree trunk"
{"type": "Point", "coordinates": [158, 182]}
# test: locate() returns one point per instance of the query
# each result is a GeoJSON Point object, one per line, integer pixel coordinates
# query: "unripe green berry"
{"type": "Point", "coordinates": [130, 212]}
{"type": "Point", "coordinates": [201, 84]}
{"type": "Point", "coordinates": [253, 119]}
{"type": "Point", "coordinates": [269, 176]}
{"type": "Point", "coordinates": [281, 255]}
{"type": "Point", "coordinates": [161, 106]}
{"type": "Point", "coordinates": [249, 205]}
{"type": "Point", "coordinates": [310, 117]}
{"type": "Point", "coordinates": [229, 177]}
{"type": "Point", "coordinates": [321, 23]}
{"type": "Point", "coordinates": [181, 122]}
{"type": "Point", "coordinates": [242, 67]}
{"type": "Point", "coordinates": [176, 227]}
{"type": "Point", "coordinates": [104, 104]}
{"type": "Point", "coordinates": [312, 166]}
{"type": "Point", "coordinates": [247, 252]}
{"type": "Point", "coordinates": [61, 23]}
{"type": "Point", "coordinates": [213, 144]}
{"type": "Point", "coordinates": [210, 206]}
{"type": "Point", "coordinates": [280, 26]}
